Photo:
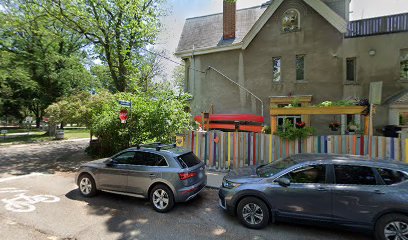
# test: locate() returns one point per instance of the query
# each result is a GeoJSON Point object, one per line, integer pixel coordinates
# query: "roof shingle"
{"type": "Point", "coordinates": [207, 31]}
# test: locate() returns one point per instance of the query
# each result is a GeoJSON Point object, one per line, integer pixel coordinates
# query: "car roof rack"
{"type": "Point", "coordinates": [157, 145]}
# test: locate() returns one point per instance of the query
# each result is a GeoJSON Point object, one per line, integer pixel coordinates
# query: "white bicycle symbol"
{"type": "Point", "coordinates": [24, 203]}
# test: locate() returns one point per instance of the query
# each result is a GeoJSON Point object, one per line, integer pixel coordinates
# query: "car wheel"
{"type": "Point", "coordinates": [87, 185]}
{"type": "Point", "coordinates": [253, 213]}
{"type": "Point", "coordinates": [392, 226]}
{"type": "Point", "coordinates": [161, 198]}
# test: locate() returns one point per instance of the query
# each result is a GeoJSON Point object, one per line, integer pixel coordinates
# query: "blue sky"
{"type": "Point", "coordinates": [179, 10]}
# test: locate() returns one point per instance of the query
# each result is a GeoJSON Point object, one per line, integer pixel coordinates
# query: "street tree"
{"type": "Point", "coordinates": [41, 60]}
{"type": "Point", "coordinates": [117, 30]}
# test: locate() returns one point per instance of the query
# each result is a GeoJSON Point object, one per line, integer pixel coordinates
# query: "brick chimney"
{"type": "Point", "coordinates": [229, 22]}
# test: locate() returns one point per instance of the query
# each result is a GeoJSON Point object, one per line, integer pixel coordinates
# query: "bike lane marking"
{"type": "Point", "coordinates": [24, 203]}
{"type": "Point", "coordinates": [11, 190]}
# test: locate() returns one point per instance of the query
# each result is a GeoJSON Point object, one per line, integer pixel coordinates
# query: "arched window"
{"type": "Point", "coordinates": [291, 21]}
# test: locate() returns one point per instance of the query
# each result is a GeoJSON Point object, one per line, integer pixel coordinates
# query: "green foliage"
{"type": "Point", "coordinates": [117, 32]}
{"type": "Point", "coordinates": [267, 130]}
{"type": "Point", "coordinates": [291, 133]}
{"type": "Point", "coordinates": [178, 78]}
{"type": "Point", "coordinates": [340, 103]}
{"type": "Point", "coordinates": [296, 102]}
{"type": "Point", "coordinates": [155, 116]}
{"type": "Point", "coordinates": [40, 60]}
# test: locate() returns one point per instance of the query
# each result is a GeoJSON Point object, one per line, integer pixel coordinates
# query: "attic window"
{"type": "Point", "coordinates": [291, 21]}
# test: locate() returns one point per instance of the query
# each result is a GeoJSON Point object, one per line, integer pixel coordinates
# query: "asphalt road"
{"type": "Point", "coordinates": [47, 205]}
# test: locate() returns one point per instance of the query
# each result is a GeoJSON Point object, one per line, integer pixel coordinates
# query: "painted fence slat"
{"type": "Point", "coordinates": [225, 150]}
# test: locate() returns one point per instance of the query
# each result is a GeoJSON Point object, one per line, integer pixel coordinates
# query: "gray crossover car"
{"type": "Point", "coordinates": [163, 174]}
{"type": "Point", "coordinates": [346, 191]}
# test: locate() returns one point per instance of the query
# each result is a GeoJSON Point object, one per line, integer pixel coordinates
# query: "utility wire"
{"type": "Point", "coordinates": [171, 60]}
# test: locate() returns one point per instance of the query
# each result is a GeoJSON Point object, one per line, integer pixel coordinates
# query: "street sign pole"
{"type": "Point", "coordinates": [128, 104]}
{"type": "Point", "coordinates": [130, 132]}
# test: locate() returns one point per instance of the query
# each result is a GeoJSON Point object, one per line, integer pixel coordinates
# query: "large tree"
{"type": "Point", "coordinates": [118, 31]}
{"type": "Point", "coordinates": [41, 60]}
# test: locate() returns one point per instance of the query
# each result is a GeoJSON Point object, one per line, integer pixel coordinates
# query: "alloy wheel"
{"type": "Point", "coordinates": [85, 185]}
{"type": "Point", "coordinates": [252, 213]}
{"type": "Point", "coordinates": [160, 199]}
{"type": "Point", "coordinates": [396, 230]}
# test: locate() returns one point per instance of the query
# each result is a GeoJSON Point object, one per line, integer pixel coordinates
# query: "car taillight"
{"type": "Point", "coordinates": [184, 176]}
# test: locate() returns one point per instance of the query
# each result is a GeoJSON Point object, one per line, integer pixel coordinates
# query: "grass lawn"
{"type": "Point", "coordinates": [76, 133]}
{"type": "Point", "coordinates": [42, 136]}
{"type": "Point", "coordinates": [22, 130]}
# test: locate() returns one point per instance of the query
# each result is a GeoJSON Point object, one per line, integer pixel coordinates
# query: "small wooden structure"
{"type": "Point", "coordinates": [311, 110]}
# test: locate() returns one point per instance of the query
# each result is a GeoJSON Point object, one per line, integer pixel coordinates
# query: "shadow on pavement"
{"type": "Point", "coordinates": [44, 158]}
{"type": "Point", "coordinates": [200, 218]}
{"type": "Point", "coordinates": [134, 218]}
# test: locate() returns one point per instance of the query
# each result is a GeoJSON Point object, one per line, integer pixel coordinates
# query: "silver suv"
{"type": "Point", "coordinates": [161, 173]}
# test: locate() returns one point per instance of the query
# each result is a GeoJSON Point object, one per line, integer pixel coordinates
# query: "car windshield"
{"type": "Point", "coordinates": [275, 167]}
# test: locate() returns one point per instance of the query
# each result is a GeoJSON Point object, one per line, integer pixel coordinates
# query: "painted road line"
{"type": "Point", "coordinates": [11, 190]}
{"type": "Point", "coordinates": [18, 177]}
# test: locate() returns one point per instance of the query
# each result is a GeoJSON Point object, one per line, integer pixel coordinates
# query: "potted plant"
{"type": "Point", "coordinates": [300, 124]}
{"type": "Point", "coordinates": [334, 126]}
{"type": "Point", "coordinates": [353, 127]}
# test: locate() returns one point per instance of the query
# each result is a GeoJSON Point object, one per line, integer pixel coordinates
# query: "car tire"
{"type": "Point", "coordinates": [86, 185]}
{"type": "Point", "coordinates": [161, 198]}
{"type": "Point", "coordinates": [392, 224]}
{"type": "Point", "coordinates": [253, 213]}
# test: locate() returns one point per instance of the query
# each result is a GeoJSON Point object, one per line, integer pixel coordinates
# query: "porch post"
{"type": "Point", "coordinates": [274, 124]}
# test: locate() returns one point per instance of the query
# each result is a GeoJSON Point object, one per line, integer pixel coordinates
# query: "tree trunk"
{"type": "Point", "coordinates": [37, 121]}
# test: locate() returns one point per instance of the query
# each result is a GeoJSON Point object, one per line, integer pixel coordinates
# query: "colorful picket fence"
{"type": "Point", "coordinates": [223, 150]}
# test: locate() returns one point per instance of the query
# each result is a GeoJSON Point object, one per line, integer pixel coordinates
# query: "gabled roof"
{"type": "Point", "coordinates": [207, 31]}
{"type": "Point", "coordinates": [205, 34]}
{"type": "Point", "coordinates": [398, 99]}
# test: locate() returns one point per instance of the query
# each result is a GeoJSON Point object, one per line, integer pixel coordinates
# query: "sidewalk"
{"type": "Point", "coordinates": [214, 179]}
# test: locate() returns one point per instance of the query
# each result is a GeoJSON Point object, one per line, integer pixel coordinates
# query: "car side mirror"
{"type": "Point", "coordinates": [284, 182]}
{"type": "Point", "coordinates": [110, 163]}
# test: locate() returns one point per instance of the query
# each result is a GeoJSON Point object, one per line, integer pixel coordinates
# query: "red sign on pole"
{"type": "Point", "coordinates": [123, 115]}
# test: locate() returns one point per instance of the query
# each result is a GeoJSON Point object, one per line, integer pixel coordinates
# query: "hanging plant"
{"type": "Point", "coordinates": [291, 133]}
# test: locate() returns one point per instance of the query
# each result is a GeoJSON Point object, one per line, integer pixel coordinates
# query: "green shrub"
{"type": "Point", "coordinates": [291, 133]}
{"type": "Point", "coordinates": [154, 117]}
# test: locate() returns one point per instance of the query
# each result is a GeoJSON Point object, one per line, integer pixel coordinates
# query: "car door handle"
{"type": "Point", "coordinates": [321, 189]}
{"type": "Point", "coordinates": [152, 175]}
{"type": "Point", "coordinates": [377, 191]}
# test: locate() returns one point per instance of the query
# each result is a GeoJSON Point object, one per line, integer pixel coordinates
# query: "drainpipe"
{"type": "Point", "coordinates": [240, 86]}
{"type": "Point", "coordinates": [194, 80]}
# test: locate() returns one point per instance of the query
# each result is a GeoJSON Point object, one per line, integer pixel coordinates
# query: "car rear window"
{"type": "Point", "coordinates": [188, 160]}
{"type": "Point", "coordinates": [391, 176]}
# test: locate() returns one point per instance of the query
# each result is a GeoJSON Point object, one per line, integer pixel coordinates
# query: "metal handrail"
{"type": "Point", "coordinates": [242, 87]}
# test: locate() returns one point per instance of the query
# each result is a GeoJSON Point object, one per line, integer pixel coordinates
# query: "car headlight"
{"type": "Point", "coordinates": [228, 184]}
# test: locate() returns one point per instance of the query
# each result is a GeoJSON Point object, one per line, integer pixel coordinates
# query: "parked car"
{"type": "Point", "coordinates": [163, 174]}
{"type": "Point", "coordinates": [325, 189]}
